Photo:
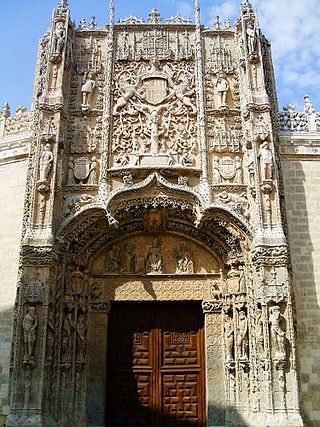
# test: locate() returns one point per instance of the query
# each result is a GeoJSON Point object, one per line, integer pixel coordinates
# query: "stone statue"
{"type": "Point", "coordinates": [128, 259]}
{"type": "Point", "coordinates": [70, 173]}
{"type": "Point", "coordinates": [29, 325]}
{"type": "Point", "coordinates": [128, 90]}
{"type": "Point", "coordinates": [93, 173]}
{"type": "Point", "coordinates": [183, 259]}
{"type": "Point", "coordinates": [222, 87]}
{"type": "Point", "coordinates": [238, 165]}
{"type": "Point", "coordinates": [114, 259]}
{"type": "Point", "coordinates": [278, 335]}
{"type": "Point", "coordinates": [265, 155]}
{"type": "Point", "coordinates": [68, 326]}
{"type": "Point", "coordinates": [154, 260]}
{"type": "Point", "coordinates": [242, 336]}
{"type": "Point", "coordinates": [58, 39]}
{"type": "Point", "coordinates": [216, 177]}
{"type": "Point", "coordinates": [251, 33]}
{"type": "Point", "coordinates": [87, 89]}
{"type": "Point", "coordinates": [81, 329]}
{"type": "Point", "coordinates": [229, 337]}
{"type": "Point", "coordinates": [45, 163]}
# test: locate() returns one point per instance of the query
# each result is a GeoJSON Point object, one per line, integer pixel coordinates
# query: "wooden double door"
{"type": "Point", "coordinates": [156, 374]}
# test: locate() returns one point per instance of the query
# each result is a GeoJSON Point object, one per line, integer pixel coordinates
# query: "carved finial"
{"type": "Point", "coordinates": [197, 12]}
{"type": "Point", "coordinates": [111, 12]}
{"type": "Point", "coordinates": [154, 17]}
{"type": "Point", "coordinates": [5, 112]}
{"type": "Point", "coordinates": [308, 106]}
{"type": "Point", "coordinates": [92, 24]}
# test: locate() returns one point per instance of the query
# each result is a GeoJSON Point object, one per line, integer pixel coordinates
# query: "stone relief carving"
{"type": "Point", "coordinates": [224, 134]}
{"type": "Point", "coordinates": [266, 159]}
{"type": "Point", "coordinates": [227, 170]}
{"type": "Point", "coordinates": [19, 123]}
{"type": "Point", "coordinates": [154, 115]}
{"type": "Point", "coordinates": [82, 170]}
{"type": "Point", "coordinates": [156, 43]}
{"type": "Point", "coordinates": [58, 42]}
{"type": "Point", "coordinates": [278, 336]}
{"type": "Point", "coordinates": [220, 57]}
{"type": "Point", "coordinates": [183, 259]}
{"type": "Point", "coordinates": [45, 163]}
{"type": "Point", "coordinates": [154, 264]}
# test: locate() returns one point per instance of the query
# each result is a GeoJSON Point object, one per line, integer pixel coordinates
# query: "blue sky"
{"type": "Point", "coordinates": [292, 26]}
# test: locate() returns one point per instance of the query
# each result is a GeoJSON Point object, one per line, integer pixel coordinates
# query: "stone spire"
{"type": "Point", "coordinates": [197, 12]}
{"type": "Point", "coordinates": [111, 12]}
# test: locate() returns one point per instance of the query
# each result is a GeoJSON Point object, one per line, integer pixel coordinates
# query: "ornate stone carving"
{"type": "Point", "coordinates": [154, 116]}
{"type": "Point", "coordinates": [154, 263]}
{"type": "Point", "coordinates": [87, 89]}
{"type": "Point", "coordinates": [45, 163]}
{"type": "Point", "coordinates": [82, 170]}
{"type": "Point", "coordinates": [220, 57]}
{"type": "Point", "coordinates": [223, 135]}
{"type": "Point", "coordinates": [222, 88]}
{"type": "Point", "coordinates": [183, 259]}
{"type": "Point", "coordinates": [266, 159]}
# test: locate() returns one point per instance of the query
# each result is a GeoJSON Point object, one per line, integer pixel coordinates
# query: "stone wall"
{"type": "Point", "coordinates": [12, 179]}
{"type": "Point", "coordinates": [302, 183]}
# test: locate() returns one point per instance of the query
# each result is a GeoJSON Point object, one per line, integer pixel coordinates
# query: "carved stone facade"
{"type": "Point", "coordinates": [154, 175]}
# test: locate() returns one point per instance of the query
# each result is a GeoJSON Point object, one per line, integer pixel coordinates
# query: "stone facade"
{"type": "Point", "coordinates": [154, 174]}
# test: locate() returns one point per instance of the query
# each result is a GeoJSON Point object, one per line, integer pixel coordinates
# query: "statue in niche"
{"type": "Point", "coordinates": [278, 336]}
{"type": "Point", "coordinates": [87, 89]}
{"type": "Point", "coordinates": [242, 336]}
{"type": "Point", "coordinates": [249, 162]}
{"type": "Point", "coordinates": [252, 38]}
{"type": "Point", "coordinates": [58, 38]}
{"type": "Point", "coordinates": [29, 325]}
{"type": "Point", "coordinates": [93, 172]}
{"type": "Point", "coordinates": [114, 259]}
{"type": "Point", "coordinates": [183, 258]}
{"type": "Point", "coordinates": [266, 159]}
{"type": "Point", "coordinates": [154, 259]}
{"type": "Point", "coordinates": [67, 329]}
{"type": "Point", "coordinates": [70, 173]}
{"type": "Point", "coordinates": [238, 179]}
{"type": "Point", "coordinates": [81, 330]}
{"type": "Point", "coordinates": [45, 163]}
{"type": "Point", "coordinates": [222, 87]}
{"type": "Point", "coordinates": [229, 338]}
{"type": "Point", "coordinates": [128, 258]}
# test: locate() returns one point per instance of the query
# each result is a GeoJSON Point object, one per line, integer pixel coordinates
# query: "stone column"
{"type": "Point", "coordinates": [97, 362]}
{"type": "Point", "coordinates": [214, 364]}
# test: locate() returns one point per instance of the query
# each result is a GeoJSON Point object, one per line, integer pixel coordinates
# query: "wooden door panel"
{"type": "Point", "coordinates": [156, 365]}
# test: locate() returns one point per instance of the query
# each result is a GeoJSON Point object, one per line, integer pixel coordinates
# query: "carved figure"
{"type": "Point", "coordinates": [128, 90]}
{"type": "Point", "coordinates": [70, 173]}
{"type": "Point", "coordinates": [265, 155]}
{"type": "Point", "coordinates": [114, 259]}
{"type": "Point", "coordinates": [154, 260]}
{"type": "Point", "coordinates": [45, 163]}
{"type": "Point", "coordinates": [216, 171]}
{"type": "Point", "coordinates": [58, 38]}
{"type": "Point", "coordinates": [222, 87]}
{"type": "Point", "coordinates": [251, 33]}
{"type": "Point", "coordinates": [29, 325]}
{"type": "Point", "coordinates": [93, 173]}
{"type": "Point", "coordinates": [308, 106]}
{"type": "Point", "coordinates": [238, 165]}
{"type": "Point", "coordinates": [249, 162]}
{"type": "Point", "coordinates": [242, 336]}
{"type": "Point", "coordinates": [183, 94]}
{"type": "Point", "coordinates": [183, 259]}
{"type": "Point", "coordinates": [68, 326]}
{"type": "Point", "coordinates": [278, 335]}
{"type": "Point", "coordinates": [128, 259]}
{"type": "Point", "coordinates": [87, 89]}
{"type": "Point", "coordinates": [229, 337]}
{"type": "Point", "coordinates": [122, 160]}
{"type": "Point", "coordinates": [81, 329]}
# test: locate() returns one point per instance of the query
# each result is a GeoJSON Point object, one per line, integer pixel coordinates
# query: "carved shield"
{"type": "Point", "coordinates": [155, 90]}
{"type": "Point", "coordinates": [81, 168]}
{"type": "Point", "coordinates": [227, 168]}
{"type": "Point", "coordinates": [77, 282]}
